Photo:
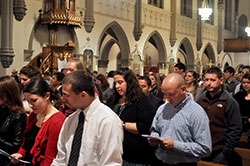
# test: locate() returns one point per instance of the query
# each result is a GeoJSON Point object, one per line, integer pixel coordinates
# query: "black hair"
{"type": "Point", "coordinates": [111, 73]}
{"type": "Point", "coordinates": [31, 72]}
{"type": "Point", "coordinates": [181, 66]}
{"type": "Point", "coordinates": [146, 78]}
{"type": "Point", "coordinates": [39, 87]}
{"type": "Point", "coordinates": [247, 76]}
{"type": "Point", "coordinates": [229, 69]}
{"type": "Point", "coordinates": [59, 76]}
{"type": "Point", "coordinates": [215, 70]}
{"type": "Point", "coordinates": [246, 67]}
{"type": "Point", "coordinates": [80, 81]}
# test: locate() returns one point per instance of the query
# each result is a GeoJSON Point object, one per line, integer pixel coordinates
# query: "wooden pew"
{"type": "Point", "coordinates": [243, 138]}
{"type": "Point", "coordinates": [245, 155]}
{"type": "Point", "coordinates": [205, 163]}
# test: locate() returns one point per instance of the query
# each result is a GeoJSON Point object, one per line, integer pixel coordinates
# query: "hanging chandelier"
{"type": "Point", "coordinates": [205, 11]}
{"type": "Point", "coordinates": [247, 30]}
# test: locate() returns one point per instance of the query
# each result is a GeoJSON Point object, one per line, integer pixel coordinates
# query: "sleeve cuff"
{"type": "Point", "coordinates": [155, 133]}
{"type": "Point", "coordinates": [178, 145]}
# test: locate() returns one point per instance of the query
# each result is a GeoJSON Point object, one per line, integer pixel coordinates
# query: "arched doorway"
{"type": "Point", "coordinates": [186, 54]}
{"type": "Point", "coordinates": [208, 57]}
{"type": "Point", "coordinates": [113, 42]}
{"type": "Point", "coordinates": [239, 68]}
{"type": "Point", "coordinates": [227, 61]}
{"type": "Point", "coordinates": [225, 65]}
{"type": "Point", "coordinates": [154, 53]}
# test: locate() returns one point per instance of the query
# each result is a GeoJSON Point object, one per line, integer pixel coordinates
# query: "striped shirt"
{"type": "Point", "coordinates": [188, 125]}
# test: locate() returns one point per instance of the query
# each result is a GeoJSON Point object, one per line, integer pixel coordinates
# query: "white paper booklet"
{"type": "Point", "coordinates": [2, 152]}
{"type": "Point", "coordinates": [151, 137]}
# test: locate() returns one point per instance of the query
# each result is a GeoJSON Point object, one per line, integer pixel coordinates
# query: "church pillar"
{"type": "Point", "coordinates": [6, 50]}
{"type": "Point", "coordinates": [137, 25]}
{"type": "Point", "coordinates": [102, 65]}
{"type": "Point", "coordinates": [170, 62]}
{"type": "Point", "coordinates": [0, 7]}
{"type": "Point", "coordinates": [199, 29]}
{"type": "Point", "coordinates": [89, 20]}
{"type": "Point", "coordinates": [125, 62]}
{"type": "Point", "coordinates": [162, 67]}
{"type": "Point", "coordinates": [173, 23]}
{"type": "Point", "coordinates": [220, 44]}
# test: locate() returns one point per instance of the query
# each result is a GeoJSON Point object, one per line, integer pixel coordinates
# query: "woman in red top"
{"type": "Point", "coordinates": [43, 126]}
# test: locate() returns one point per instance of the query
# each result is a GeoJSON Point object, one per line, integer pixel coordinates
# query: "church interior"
{"type": "Point", "coordinates": [109, 34]}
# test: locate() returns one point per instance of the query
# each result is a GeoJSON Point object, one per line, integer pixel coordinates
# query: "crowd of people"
{"type": "Point", "coordinates": [78, 117]}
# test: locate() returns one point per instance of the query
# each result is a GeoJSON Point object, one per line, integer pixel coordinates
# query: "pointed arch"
{"type": "Point", "coordinates": [116, 35]}
{"type": "Point", "coordinates": [208, 56]}
{"type": "Point", "coordinates": [186, 47]}
{"type": "Point", "coordinates": [227, 59]}
{"type": "Point", "coordinates": [107, 48]}
{"type": "Point", "coordinates": [157, 41]}
{"type": "Point", "coordinates": [210, 52]}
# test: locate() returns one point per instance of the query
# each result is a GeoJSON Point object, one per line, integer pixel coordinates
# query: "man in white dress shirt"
{"type": "Point", "coordinates": [102, 137]}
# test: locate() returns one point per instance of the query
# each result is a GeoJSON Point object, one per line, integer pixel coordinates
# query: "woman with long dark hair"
{"type": "Point", "coordinates": [136, 114]}
{"type": "Point", "coordinates": [102, 82]}
{"type": "Point", "coordinates": [12, 118]}
{"type": "Point", "coordinates": [243, 98]}
{"type": "Point", "coordinates": [43, 126]}
{"type": "Point", "coordinates": [156, 85]}
{"type": "Point", "coordinates": [191, 82]}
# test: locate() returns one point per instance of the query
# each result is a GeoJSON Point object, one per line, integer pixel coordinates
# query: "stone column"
{"type": "Point", "coordinates": [137, 25]}
{"type": "Point", "coordinates": [199, 29]}
{"type": "Point", "coordinates": [89, 20]}
{"type": "Point", "coordinates": [102, 65]}
{"type": "Point", "coordinates": [162, 67]}
{"type": "Point", "coordinates": [173, 23]}
{"type": "Point", "coordinates": [0, 7]}
{"type": "Point", "coordinates": [220, 44]}
{"type": "Point", "coordinates": [125, 62]}
{"type": "Point", "coordinates": [6, 50]}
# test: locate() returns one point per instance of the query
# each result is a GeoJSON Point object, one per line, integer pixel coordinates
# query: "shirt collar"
{"type": "Point", "coordinates": [216, 96]}
{"type": "Point", "coordinates": [183, 102]}
{"type": "Point", "coordinates": [88, 110]}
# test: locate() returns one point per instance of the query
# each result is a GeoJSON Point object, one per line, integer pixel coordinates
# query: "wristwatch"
{"type": "Point", "coordinates": [123, 125]}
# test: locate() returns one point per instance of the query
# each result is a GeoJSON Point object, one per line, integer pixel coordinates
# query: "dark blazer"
{"type": "Point", "coordinates": [135, 147]}
{"type": "Point", "coordinates": [156, 102]}
{"type": "Point", "coordinates": [12, 126]}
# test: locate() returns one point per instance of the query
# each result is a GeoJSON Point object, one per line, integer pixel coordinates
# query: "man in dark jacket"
{"type": "Point", "coordinates": [145, 84]}
{"type": "Point", "coordinates": [224, 115]}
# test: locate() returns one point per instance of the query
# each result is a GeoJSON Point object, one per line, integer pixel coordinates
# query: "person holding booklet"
{"type": "Point", "coordinates": [43, 126]}
{"type": "Point", "coordinates": [92, 135]}
{"type": "Point", "coordinates": [12, 118]}
{"type": "Point", "coordinates": [181, 125]}
{"type": "Point", "coordinates": [136, 113]}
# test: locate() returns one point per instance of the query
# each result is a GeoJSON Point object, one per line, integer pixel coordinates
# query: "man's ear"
{"type": "Point", "coordinates": [83, 93]}
{"type": "Point", "coordinates": [183, 88]}
{"type": "Point", "coordinates": [221, 80]}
